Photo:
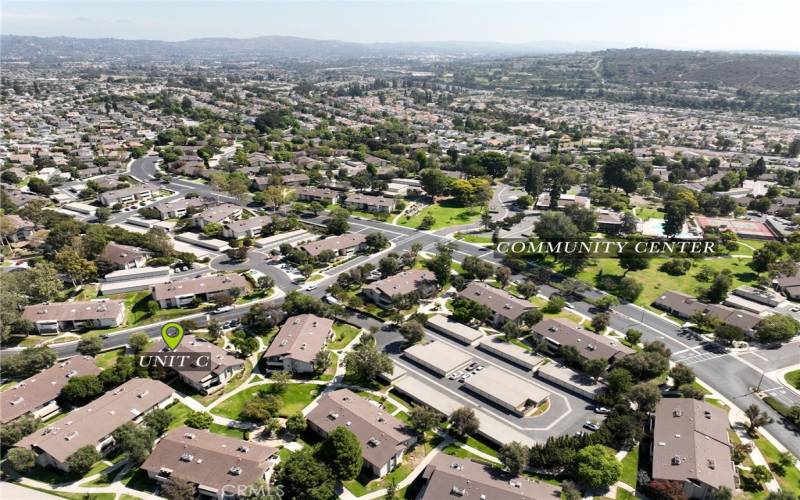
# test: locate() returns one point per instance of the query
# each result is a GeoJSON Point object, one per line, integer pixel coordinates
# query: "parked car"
{"type": "Point", "coordinates": [592, 426]}
{"type": "Point", "coordinates": [602, 410]}
{"type": "Point", "coordinates": [223, 309]}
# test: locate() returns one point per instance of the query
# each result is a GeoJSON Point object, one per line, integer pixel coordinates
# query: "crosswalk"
{"type": "Point", "coordinates": [691, 357]}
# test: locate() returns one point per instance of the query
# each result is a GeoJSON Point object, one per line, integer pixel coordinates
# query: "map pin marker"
{"type": "Point", "coordinates": [172, 333]}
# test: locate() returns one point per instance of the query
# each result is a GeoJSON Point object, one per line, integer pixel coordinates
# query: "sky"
{"type": "Point", "coordinates": [671, 24]}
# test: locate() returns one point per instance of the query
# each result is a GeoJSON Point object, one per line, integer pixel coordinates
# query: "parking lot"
{"type": "Point", "coordinates": [566, 412]}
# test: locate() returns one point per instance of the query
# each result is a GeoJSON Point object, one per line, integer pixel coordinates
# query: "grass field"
{"type": "Point", "coordinates": [343, 334]}
{"type": "Point", "coordinates": [446, 214]}
{"type": "Point", "coordinates": [295, 398]}
{"type": "Point", "coordinates": [563, 313]}
{"type": "Point", "coordinates": [108, 359]}
{"type": "Point", "coordinates": [793, 378]}
{"type": "Point", "coordinates": [630, 467]}
{"type": "Point", "coordinates": [787, 477]}
{"type": "Point", "coordinates": [656, 282]}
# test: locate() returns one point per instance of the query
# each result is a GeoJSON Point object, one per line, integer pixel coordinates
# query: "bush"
{"type": "Point", "coordinates": [21, 459]}
{"type": "Point", "coordinates": [676, 267]}
{"type": "Point", "coordinates": [82, 460]}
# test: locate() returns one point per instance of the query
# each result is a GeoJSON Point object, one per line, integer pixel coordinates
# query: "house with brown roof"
{"type": "Point", "coordinates": [298, 342]}
{"type": "Point", "coordinates": [93, 424]}
{"type": "Point", "coordinates": [685, 306]}
{"type": "Point", "coordinates": [220, 214]}
{"type": "Point", "coordinates": [131, 194]}
{"type": "Point", "coordinates": [691, 445]}
{"type": "Point", "coordinates": [183, 293]}
{"type": "Point", "coordinates": [14, 228]}
{"type": "Point", "coordinates": [219, 466]}
{"type": "Point", "coordinates": [212, 367]}
{"type": "Point", "coordinates": [124, 256]}
{"type": "Point", "coordinates": [384, 292]}
{"type": "Point", "coordinates": [788, 285]}
{"type": "Point", "coordinates": [178, 208]}
{"type": "Point", "coordinates": [557, 333]}
{"type": "Point", "coordinates": [36, 395]}
{"type": "Point", "coordinates": [448, 477]}
{"type": "Point", "coordinates": [368, 203]}
{"type": "Point", "coordinates": [326, 196]}
{"type": "Point", "coordinates": [345, 244]}
{"type": "Point", "coordinates": [246, 228]}
{"type": "Point", "coordinates": [384, 439]}
{"type": "Point", "coordinates": [55, 317]}
{"type": "Point", "coordinates": [505, 306]}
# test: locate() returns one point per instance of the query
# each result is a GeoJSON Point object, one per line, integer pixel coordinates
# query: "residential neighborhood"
{"type": "Point", "coordinates": [280, 267]}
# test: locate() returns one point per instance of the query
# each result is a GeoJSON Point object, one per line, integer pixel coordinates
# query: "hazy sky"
{"type": "Point", "coordinates": [700, 24]}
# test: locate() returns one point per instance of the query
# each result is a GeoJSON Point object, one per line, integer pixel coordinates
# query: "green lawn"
{"type": "Point", "coordinates": [793, 378]}
{"type": "Point", "coordinates": [787, 477]}
{"type": "Point", "coordinates": [446, 214]}
{"type": "Point", "coordinates": [563, 313]}
{"type": "Point", "coordinates": [656, 282]}
{"type": "Point", "coordinates": [73, 496]}
{"type": "Point", "coordinates": [479, 444]}
{"type": "Point", "coordinates": [108, 359]}
{"type": "Point", "coordinates": [630, 467]}
{"type": "Point", "coordinates": [330, 371]}
{"type": "Point", "coordinates": [474, 238]}
{"type": "Point", "coordinates": [179, 412]}
{"type": "Point", "coordinates": [226, 431]}
{"type": "Point", "coordinates": [295, 398]}
{"type": "Point", "coordinates": [343, 334]}
{"type": "Point", "coordinates": [455, 450]}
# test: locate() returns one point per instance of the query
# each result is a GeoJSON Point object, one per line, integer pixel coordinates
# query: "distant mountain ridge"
{"type": "Point", "coordinates": [20, 47]}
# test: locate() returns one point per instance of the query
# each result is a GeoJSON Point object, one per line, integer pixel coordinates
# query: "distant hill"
{"type": "Point", "coordinates": [30, 47]}
{"type": "Point", "coordinates": [637, 66]}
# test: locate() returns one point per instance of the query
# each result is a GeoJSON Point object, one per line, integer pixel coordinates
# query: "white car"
{"type": "Point", "coordinates": [311, 287]}
{"type": "Point", "coordinates": [223, 309]}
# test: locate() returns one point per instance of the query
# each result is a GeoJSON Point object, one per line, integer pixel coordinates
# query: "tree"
{"type": "Point", "coordinates": [366, 361]}
{"type": "Point", "coordinates": [90, 347]}
{"type": "Point", "coordinates": [631, 260]}
{"type": "Point", "coordinates": [261, 409]}
{"type": "Point", "coordinates": [178, 489]}
{"type": "Point", "coordinates": [12, 432]}
{"type": "Point", "coordinates": [134, 441]}
{"type": "Point", "coordinates": [555, 226]}
{"type": "Point", "coordinates": [245, 344]}
{"type": "Point", "coordinates": [321, 361]}
{"type": "Point", "coordinates": [74, 266]}
{"type": "Point", "coordinates": [424, 419]}
{"type": "Point", "coordinates": [646, 396]}
{"type": "Point", "coordinates": [440, 265]}
{"type": "Point", "coordinates": [28, 362]}
{"type": "Point", "coordinates": [503, 275]}
{"type": "Point", "coordinates": [158, 420]}
{"type": "Point", "coordinates": [412, 332]}
{"type": "Point", "coordinates": [760, 474]}
{"type": "Point", "coordinates": [464, 422]}
{"type": "Point", "coordinates": [296, 423]}
{"type": "Point", "coordinates": [781, 495]}
{"type": "Point", "coordinates": [82, 389]}
{"type": "Point", "coordinates": [777, 328]}
{"type": "Point", "coordinates": [514, 456]}
{"type": "Point", "coordinates": [83, 459]}
{"type": "Point", "coordinates": [266, 282]}
{"type": "Point", "coordinates": [570, 491]}
{"type": "Point", "coordinates": [595, 367]}
{"type": "Point", "coordinates": [633, 336]}
{"type": "Point", "coordinates": [341, 452]}
{"type": "Point", "coordinates": [43, 282]}
{"type": "Point", "coordinates": [728, 333]}
{"type": "Point", "coordinates": [376, 242]}
{"type": "Point", "coordinates": [619, 382]}
{"type": "Point", "coordinates": [596, 467]}
{"type": "Point", "coordinates": [528, 289]}
{"type": "Point", "coordinates": [681, 374]}
{"type": "Point", "coordinates": [719, 288]}
{"type": "Point", "coordinates": [303, 476]}
{"type": "Point", "coordinates": [280, 380]}
{"type": "Point", "coordinates": [600, 322]}
{"type": "Point", "coordinates": [199, 420]}
{"type": "Point", "coordinates": [138, 342]}
{"type": "Point", "coordinates": [674, 218]}
{"type": "Point", "coordinates": [337, 224]}
{"type": "Point", "coordinates": [21, 459]}
{"type": "Point", "coordinates": [755, 419]}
